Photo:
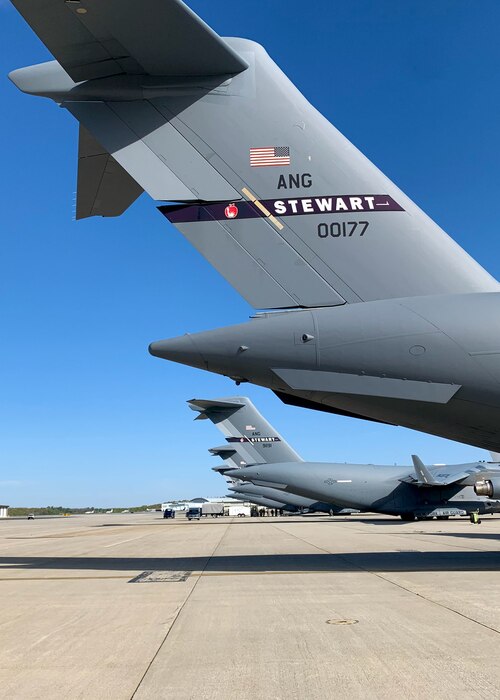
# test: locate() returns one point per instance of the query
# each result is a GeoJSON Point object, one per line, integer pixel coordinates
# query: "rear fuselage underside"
{"type": "Point", "coordinates": [427, 363]}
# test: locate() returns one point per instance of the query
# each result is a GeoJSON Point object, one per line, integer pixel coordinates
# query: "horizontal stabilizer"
{"type": "Point", "coordinates": [222, 469]}
{"type": "Point", "coordinates": [100, 38]}
{"type": "Point", "coordinates": [205, 406]}
{"type": "Point", "coordinates": [233, 455]}
{"type": "Point", "coordinates": [364, 385]}
{"type": "Point", "coordinates": [104, 187]}
{"type": "Point", "coordinates": [223, 451]}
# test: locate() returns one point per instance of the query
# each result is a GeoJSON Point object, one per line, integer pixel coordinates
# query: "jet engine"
{"type": "Point", "coordinates": [488, 487]}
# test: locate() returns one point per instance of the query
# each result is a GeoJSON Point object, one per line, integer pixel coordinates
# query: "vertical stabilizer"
{"type": "Point", "coordinates": [242, 424]}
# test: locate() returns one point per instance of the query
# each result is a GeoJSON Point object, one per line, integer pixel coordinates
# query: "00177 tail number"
{"type": "Point", "coordinates": [342, 229]}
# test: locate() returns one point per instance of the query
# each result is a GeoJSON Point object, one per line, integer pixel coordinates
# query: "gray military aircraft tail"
{"type": "Point", "coordinates": [382, 315]}
{"type": "Point", "coordinates": [289, 211]}
{"type": "Point", "coordinates": [245, 427]}
{"type": "Point", "coordinates": [251, 440]}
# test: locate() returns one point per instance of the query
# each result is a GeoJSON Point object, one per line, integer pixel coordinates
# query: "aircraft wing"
{"type": "Point", "coordinates": [444, 475]}
{"type": "Point", "coordinates": [97, 39]}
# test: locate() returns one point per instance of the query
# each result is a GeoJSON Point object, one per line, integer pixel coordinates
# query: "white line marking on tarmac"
{"type": "Point", "coordinates": [50, 634]}
{"type": "Point", "coordinates": [115, 544]}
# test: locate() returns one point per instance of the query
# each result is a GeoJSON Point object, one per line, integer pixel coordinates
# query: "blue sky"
{"type": "Point", "coordinates": [87, 417]}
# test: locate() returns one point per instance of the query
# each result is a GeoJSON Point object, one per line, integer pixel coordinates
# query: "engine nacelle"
{"type": "Point", "coordinates": [488, 487]}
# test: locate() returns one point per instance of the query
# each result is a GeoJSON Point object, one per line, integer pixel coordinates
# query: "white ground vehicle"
{"type": "Point", "coordinates": [238, 511]}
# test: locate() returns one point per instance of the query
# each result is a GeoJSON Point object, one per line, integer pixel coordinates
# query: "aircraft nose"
{"type": "Point", "coordinates": [180, 349]}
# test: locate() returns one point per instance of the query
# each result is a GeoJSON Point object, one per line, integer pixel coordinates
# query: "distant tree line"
{"type": "Point", "coordinates": [66, 510]}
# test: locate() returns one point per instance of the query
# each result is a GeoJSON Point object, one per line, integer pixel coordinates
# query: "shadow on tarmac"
{"type": "Point", "coordinates": [348, 562]}
{"type": "Point", "coordinates": [237, 521]}
{"type": "Point", "coordinates": [471, 534]}
{"type": "Point", "coordinates": [310, 519]}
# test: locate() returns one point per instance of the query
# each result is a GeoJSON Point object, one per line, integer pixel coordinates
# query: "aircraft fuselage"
{"type": "Point", "coordinates": [427, 363]}
{"type": "Point", "coordinates": [384, 489]}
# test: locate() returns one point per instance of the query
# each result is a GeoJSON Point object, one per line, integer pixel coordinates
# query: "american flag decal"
{"type": "Point", "coordinates": [269, 156]}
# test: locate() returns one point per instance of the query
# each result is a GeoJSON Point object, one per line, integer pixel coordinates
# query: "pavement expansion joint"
{"type": "Point", "coordinates": [386, 577]}
{"type": "Point", "coordinates": [178, 613]}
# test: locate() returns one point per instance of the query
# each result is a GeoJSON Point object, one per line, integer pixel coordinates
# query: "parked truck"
{"type": "Point", "coordinates": [238, 511]}
{"type": "Point", "coordinates": [194, 513]}
{"type": "Point", "coordinates": [213, 509]}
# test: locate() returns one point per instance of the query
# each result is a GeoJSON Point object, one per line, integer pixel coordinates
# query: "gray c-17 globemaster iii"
{"type": "Point", "coordinates": [250, 440]}
{"type": "Point", "coordinates": [372, 310]}
{"type": "Point", "coordinates": [258, 496]}
{"type": "Point", "coordinates": [268, 467]}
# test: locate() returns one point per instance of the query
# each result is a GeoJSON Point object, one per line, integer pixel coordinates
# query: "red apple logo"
{"type": "Point", "coordinates": [231, 211]}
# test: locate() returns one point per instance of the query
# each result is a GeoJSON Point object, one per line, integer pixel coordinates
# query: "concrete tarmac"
{"type": "Point", "coordinates": [134, 606]}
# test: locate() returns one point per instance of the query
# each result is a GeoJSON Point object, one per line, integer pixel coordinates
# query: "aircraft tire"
{"type": "Point", "coordinates": [407, 517]}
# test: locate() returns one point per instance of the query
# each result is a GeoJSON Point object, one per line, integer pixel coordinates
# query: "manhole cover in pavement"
{"type": "Point", "coordinates": [342, 622]}
{"type": "Point", "coordinates": [161, 577]}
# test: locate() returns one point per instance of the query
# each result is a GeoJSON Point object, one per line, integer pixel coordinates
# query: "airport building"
{"type": "Point", "coordinates": [4, 511]}
{"type": "Point", "coordinates": [185, 505]}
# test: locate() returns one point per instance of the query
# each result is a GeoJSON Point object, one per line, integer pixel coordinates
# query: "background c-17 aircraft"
{"type": "Point", "coordinates": [376, 312]}
{"type": "Point", "coordinates": [274, 470]}
{"type": "Point", "coordinates": [229, 453]}
{"type": "Point", "coordinates": [263, 496]}
{"type": "Point", "coordinates": [248, 442]}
